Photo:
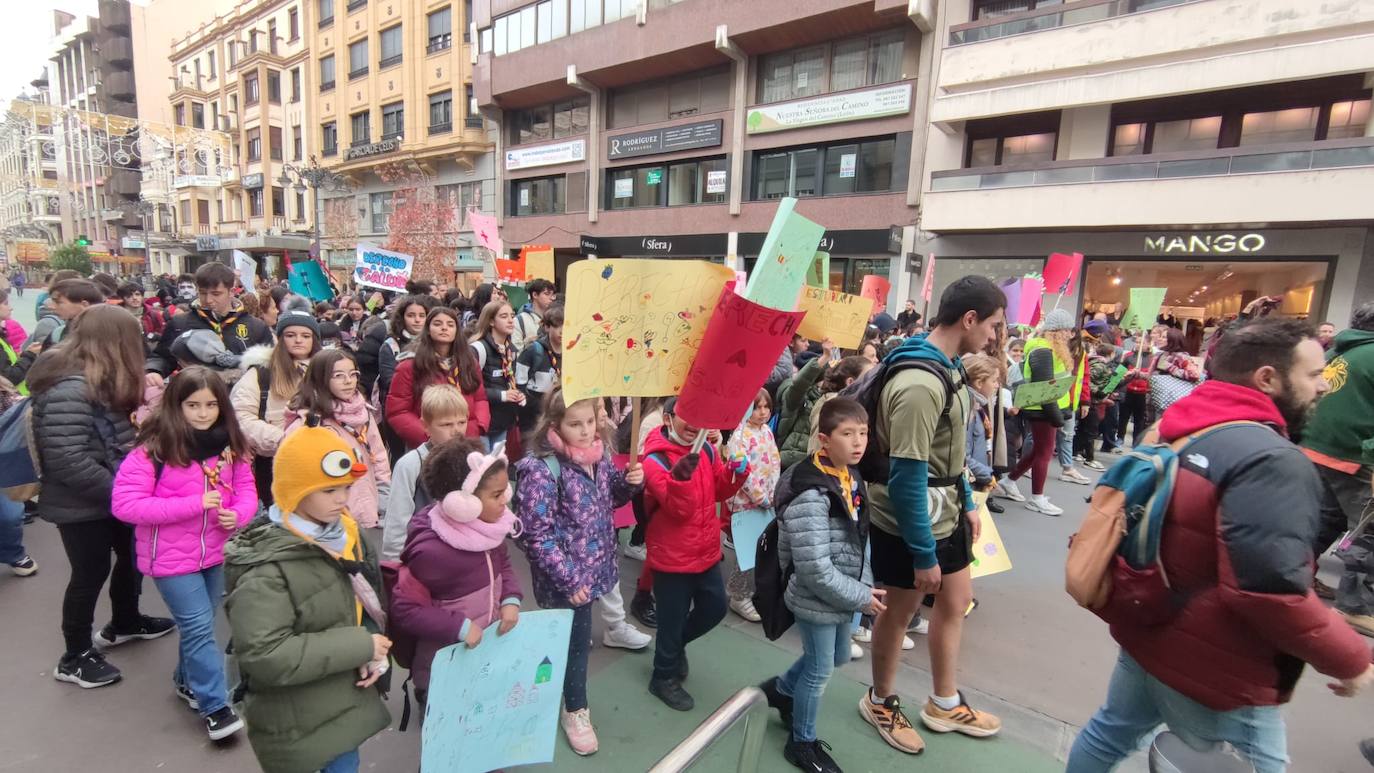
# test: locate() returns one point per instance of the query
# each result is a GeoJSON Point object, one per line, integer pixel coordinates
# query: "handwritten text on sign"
{"type": "Point", "coordinates": [381, 268]}
{"type": "Point", "coordinates": [841, 317]}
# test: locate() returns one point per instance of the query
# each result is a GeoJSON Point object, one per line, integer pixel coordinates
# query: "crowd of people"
{"type": "Point", "coordinates": [349, 480]}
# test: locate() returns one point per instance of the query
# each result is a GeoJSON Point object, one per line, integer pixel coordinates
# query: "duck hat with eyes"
{"type": "Point", "coordinates": [308, 460]}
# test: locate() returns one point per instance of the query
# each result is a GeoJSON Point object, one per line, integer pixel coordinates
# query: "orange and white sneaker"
{"type": "Point", "coordinates": [577, 725]}
{"type": "Point", "coordinates": [961, 719]}
{"type": "Point", "coordinates": [892, 724]}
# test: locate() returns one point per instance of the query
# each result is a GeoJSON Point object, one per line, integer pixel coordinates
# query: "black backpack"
{"type": "Point", "coordinates": [868, 392]}
{"type": "Point", "coordinates": [770, 583]}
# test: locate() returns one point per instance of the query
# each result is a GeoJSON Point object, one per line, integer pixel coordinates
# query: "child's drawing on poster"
{"type": "Point", "coordinates": [841, 317]}
{"type": "Point", "coordinates": [632, 327]}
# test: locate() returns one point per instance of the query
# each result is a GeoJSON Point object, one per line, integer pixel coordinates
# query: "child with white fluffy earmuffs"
{"type": "Point", "coordinates": [456, 577]}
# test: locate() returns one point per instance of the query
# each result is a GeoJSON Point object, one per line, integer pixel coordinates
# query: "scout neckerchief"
{"type": "Point", "coordinates": [351, 552]}
{"type": "Point", "coordinates": [214, 469]}
{"type": "Point", "coordinates": [849, 493]}
{"type": "Point", "coordinates": [508, 363]}
{"type": "Point", "coordinates": [555, 360]}
{"type": "Point", "coordinates": [209, 318]}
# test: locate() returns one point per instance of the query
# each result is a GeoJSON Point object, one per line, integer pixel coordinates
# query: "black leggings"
{"type": "Point", "coordinates": [89, 545]}
{"type": "Point", "coordinates": [1134, 409]}
{"type": "Point", "coordinates": [689, 605]}
{"type": "Point", "coordinates": [1085, 435]}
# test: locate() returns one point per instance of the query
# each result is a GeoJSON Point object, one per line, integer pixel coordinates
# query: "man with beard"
{"type": "Point", "coordinates": [1237, 549]}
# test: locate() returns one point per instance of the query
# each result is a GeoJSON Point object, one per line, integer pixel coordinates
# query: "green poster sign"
{"type": "Point", "coordinates": [653, 177]}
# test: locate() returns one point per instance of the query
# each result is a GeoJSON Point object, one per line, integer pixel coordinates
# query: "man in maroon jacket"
{"type": "Point", "coordinates": [1237, 548]}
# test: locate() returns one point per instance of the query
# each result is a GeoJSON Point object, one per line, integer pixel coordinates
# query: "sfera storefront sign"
{"type": "Point", "coordinates": [835, 108]}
{"type": "Point", "coordinates": [1204, 244]}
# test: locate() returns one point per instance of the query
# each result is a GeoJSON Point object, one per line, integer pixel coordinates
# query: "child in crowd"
{"type": "Point", "coordinates": [568, 491]}
{"type": "Point", "coordinates": [491, 344]}
{"type": "Point", "coordinates": [456, 576]}
{"type": "Point", "coordinates": [306, 615]}
{"type": "Point", "coordinates": [186, 488]}
{"type": "Point", "coordinates": [539, 368]}
{"type": "Point", "coordinates": [983, 377]}
{"type": "Point", "coordinates": [444, 413]}
{"type": "Point", "coordinates": [1101, 371]}
{"type": "Point", "coordinates": [330, 393]}
{"type": "Point", "coordinates": [681, 489]}
{"type": "Point", "coordinates": [753, 440]}
{"type": "Point", "coordinates": [823, 523]}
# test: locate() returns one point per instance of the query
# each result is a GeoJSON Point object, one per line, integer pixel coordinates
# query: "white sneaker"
{"type": "Point", "coordinates": [922, 628]}
{"type": "Point", "coordinates": [1042, 504]}
{"type": "Point", "coordinates": [1095, 465]}
{"type": "Point", "coordinates": [626, 637]}
{"type": "Point", "coordinates": [1071, 475]}
{"type": "Point", "coordinates": [908, 644]}
{"type": "Point", "coordinates": [863, 635]}
{"type": "Point", "coordinates": [855, 651]}
{"type": "Point", "coordinates": [1078, 457]}
{"type": "Point", "coordinates": [577, 726]}
{"type": "Point", "coordinates": [744, 607]}
{"type": "Point", "coordinates": [1007, 488]}
{"type": "Point", "coordinates": [637, 552]}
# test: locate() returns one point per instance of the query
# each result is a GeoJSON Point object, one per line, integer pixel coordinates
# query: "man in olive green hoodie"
{"type": "Point", "coordinates": [306, 613]}
{"type": "Point", "coordinates": [1334, 441]}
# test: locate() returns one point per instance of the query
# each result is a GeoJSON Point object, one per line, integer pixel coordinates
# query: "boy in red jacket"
{"type": "Point", "coordinates": [681, 490]}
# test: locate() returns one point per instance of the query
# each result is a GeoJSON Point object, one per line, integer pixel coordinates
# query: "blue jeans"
{"type": "Point", "coordinates": [193, 599]}
{"type": "Point", "coordinates": [348, 762]}
{"type": "Point", "coordinates": [1063, 443]}
{"type": "Point", "coordinates": [1136, 705]}
{"type": "Point", "coordinates": [823, 648]}
{"type": "Point", "coordinates": [11, 531]}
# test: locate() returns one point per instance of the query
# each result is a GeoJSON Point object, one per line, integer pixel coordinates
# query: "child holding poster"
{"type": "Point", "coordinates": [568, 491]}
{"type": "Point", "coordinates": [753, 440]}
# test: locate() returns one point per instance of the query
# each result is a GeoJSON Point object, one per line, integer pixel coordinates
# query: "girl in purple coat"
{"type": "Point", "coordinates": [568, 490]}
{"type": "Point", "coordinates": [456, 577]}
{"type": "Point", "coordinates": [187, 488]}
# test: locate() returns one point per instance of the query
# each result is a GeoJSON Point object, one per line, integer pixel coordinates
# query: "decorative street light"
{"type": "Point", "coordinates": [317, 178]}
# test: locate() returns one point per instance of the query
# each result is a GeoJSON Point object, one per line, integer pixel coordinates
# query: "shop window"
{"type": "Point", "coordinates": [539, 196]}
{"type": "Point", "coordinates": [833, 170]}
{"type": "Point", "coordinates": [1348, 119]}
{"type": "Point", "coordinates": [381, 207]}
{"type": "Point", "coordinates": [1297, 124]}
{"type": "Point", "coordinates": [707, 91]}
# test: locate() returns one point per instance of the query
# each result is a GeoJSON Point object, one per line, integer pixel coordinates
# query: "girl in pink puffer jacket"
{"type": "Point", "coordinates": [186, 488]}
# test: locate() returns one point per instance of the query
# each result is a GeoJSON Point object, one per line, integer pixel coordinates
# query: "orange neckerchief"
{"type": "Point", "coordinates": [846, 481]}
{"type": "Point", "coordinates": [350, 551]}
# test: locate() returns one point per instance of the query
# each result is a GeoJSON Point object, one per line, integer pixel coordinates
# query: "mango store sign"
{"type": "Point", "coordinates": [834, 108]}
{"type": "Point", "coordinates": [383, 269]}
{"type": "Point", "coordinates": [1200, 244]}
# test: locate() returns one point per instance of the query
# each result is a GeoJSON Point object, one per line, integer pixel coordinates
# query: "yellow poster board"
{"type": "Point", "coordinates": [989, 554]}
{"type": "Point", "coordinates": [632, 327]}
{"type": "Point", "coordinates": [538, 262]}
{"type": "Point", "coordinates": [841, 317]}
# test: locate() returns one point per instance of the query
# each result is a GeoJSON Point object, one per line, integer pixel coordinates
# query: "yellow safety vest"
{"type": "Point", "coordinates": [1069, 401]}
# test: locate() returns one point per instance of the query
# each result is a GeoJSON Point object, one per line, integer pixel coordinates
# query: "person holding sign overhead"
{"type": "Point", "coordinates": [438, 358]}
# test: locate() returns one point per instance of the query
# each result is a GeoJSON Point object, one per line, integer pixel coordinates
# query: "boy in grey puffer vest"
{"type": "Point", "coordinates": [823, 522]}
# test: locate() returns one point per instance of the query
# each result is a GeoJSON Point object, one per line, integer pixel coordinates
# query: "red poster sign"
{"type": "Point", "coordinates": [1061, 272]}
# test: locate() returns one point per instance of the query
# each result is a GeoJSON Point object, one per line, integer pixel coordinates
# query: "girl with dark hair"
{"type": "Point", "coordinates": [1175, 373]}
{"type": "Point", "coordinates": [383, 344]}
{"type": "Point", "coordinates": [351, 322]}
{"type": "Point", "coordinates": [491, 344]}
{"type": "Point", "coordinates": [484, 294]}
{"type": "Point", "coordinates": [329, 397]}
{"type": "Point", "coordinates": [186, 489]}
{"type": "Point", "coordinates": [84, 391]}
{"type": "Point", "coordinates": [438, 358]}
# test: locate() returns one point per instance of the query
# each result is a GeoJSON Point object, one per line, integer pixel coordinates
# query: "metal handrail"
{"type": "Point", "coordinates": [743, 705]}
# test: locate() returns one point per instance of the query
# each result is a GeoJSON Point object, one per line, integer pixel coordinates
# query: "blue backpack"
{"type": "Point", "coordinates": [18, 460]}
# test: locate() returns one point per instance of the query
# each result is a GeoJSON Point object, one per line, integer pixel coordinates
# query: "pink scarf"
{"type": "Point", "coordinates": [590, 456]}
{"type": "Point", "coordinates": [475, 536]}
{"type": "Point", "coordinates": [354, 413]}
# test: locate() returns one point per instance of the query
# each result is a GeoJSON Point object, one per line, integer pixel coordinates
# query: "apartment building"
{"type": "Point", "coordinates": [391, 98]}
{"type": "Point", "coordinates": [1220, 148]}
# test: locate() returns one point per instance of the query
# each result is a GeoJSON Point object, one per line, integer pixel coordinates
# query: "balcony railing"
{"type": "Point", "coordinates": [1052, 17]}
{"type": "Point", "coordinates": [387, 62]}
{"type": "Point", "coordinates": [354, 5]}
{"type": "Point", "coordinates": [473, 122]}
{"type": "Point", "coordinates": [356, 74]}
{"type": "Point", "coordinates": [326, 21]}
{"type": "Point", "coordinates": [440, 43]}
{"type": "Point", "coordinates": [1292, 157]}
{"type": "Point", "coordinates": [441, 128]}
{"type": "Point", "coordinates": [326, 86]}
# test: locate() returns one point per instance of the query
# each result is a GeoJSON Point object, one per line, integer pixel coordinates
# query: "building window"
{"type": "Point", "coordinates": [673, 184]}
{"type": "Point", "coordinates": [868, 60]}
{"type": "Point", "coordinates": [630, 187]}
{"type": "Point", "coordinates": [1015, 150]}
{"type": "Point", "coordinates": [300, 206]}
{"type": "Point", "coordinates": [1298, 124]}
{"type": "Point", "coordinates": [441, 112]}
{"type": "Point", "coordinates": [329, 139]}
{"type": "Point", "coordinates": [545, 122]}
{"type": "Point", "coordinates": [473, 119]}
{"type": "Point", "coordinates": [1187, 134]}
{"type": "Point", "coordinates": [1348, 118]}
{"type": "Point", "coordinates": [584, 14]}
{"type": "Point", "coordinates": [233, 47]}
{"type": "Point", "coordinates": [354, 5]}
{"type": "Point", "coordinates": [381, 205]}
{"type": "Point", "coordinates": [255, 202]}
{"type": "Point", "coordinates": [210, 60]}
{"type": "Point", "coordinates": [293, 24]}
{"type": "Point", "coordinates": [440, 30]}
{"type": "Point", "coordinates": [830, 170]}
{"type": "Point", "coordinates": [538, 196]}
{"type": "Point", "coordinates": [391, 47]}
{"type": "Point", "coordinates": [272, 35]}
{"type": "Point", "coordinates": [274, 142]}
{"type": "Point", "coordinates": [254, 145]}
{"type": "Point", "coordinates": [274, 87]}
{"type": "Point", "coordinates": [393, 120]}
{"type": "Point", "coordinates": [357, 59]}
{"type": "Point", "coordinates": [296, 144]}
{"type": "Point", "coordinates": [198, 115]}
{"type": "Point", "coordinates": [792, 74]}
{"type": "Point", "coordinates": [485, 38]}
{"type": "Point", "coordinates": [326, 73]}
{"type": "Point", "coordinates": [295, 85]}
{"type": "Point", "coordinates": [707, 91]}
{"type": "Point", "coordinates": [326, 13]}
{"type": "Point", "coordinates": [250, 90]}
{"type": "Point", "coordinates": [361, 128]}
{"type": "Point", "coordinates": [179, 114]}
{"type": "Point", "coordinates": [278, 202]}
{"type": "Point", "coordinates": [993, 9]}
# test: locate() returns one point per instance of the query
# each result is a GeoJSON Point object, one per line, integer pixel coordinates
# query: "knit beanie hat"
{"type": "Point", "coordinates": [311, 459]}
{"type": "Point", "coordinates": [1059, 319]}
{"type": "Point", "coordinates": [295, 318]}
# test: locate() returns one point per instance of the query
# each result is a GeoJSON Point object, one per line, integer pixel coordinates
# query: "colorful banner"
{"type": "Point", "coordinates": [496, 706]}
{"type": "Point", "coordinates": [929, 285]}
{"type": "Point", "coordinates": [538, 261]}
{"type": "Point", "coordinates": [742, 343]}
{"type": "Point", "coordinates": [989, 553]}
{"type": "Point", "coordinates": [819, 273]}
{"type": "Point", "coordinates": [745, 529]}
{"type": "Point", "coordinates": [876, 288]}
{"type": "Point", "coordinates": [1143, 309]}
{"type": "Point", "coordinates": [632, 327]}
{"type": "Point", "coordinates": [1036, 393]}
{"type": "Point", "coordinates": [511, 270]}
{"type": "Point", "coordinates": [381, 268]}
{"type": "Point", "coordinates": [835, 315]}
{"type": "Point", "coordinates": [1023, 300]}
{"type": "Point", "coordinates": [1062, 271]}
{"type": "Point", "coordinates": [788, 252]}
{"type": "Point", "coordinates": [307, 279]}
{"type": "Point", "coordinates": [485, 231]}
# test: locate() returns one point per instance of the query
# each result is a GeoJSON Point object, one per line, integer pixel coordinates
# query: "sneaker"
{"type": "Point", "coordinates": [919, 626]}
{"type": "Point", "coordinates": [1042, 504]}
{"type": "Point", "coordinates": [961, 719]}
{"type": "Point", "coordinates": [1367, 750]}
{"type": "Point", "coordinates": [577, 726]}
{"type": "Point", "coordinates": [1071, 475]}
{"type": "Point", "coordinates": [744, 607]}
{"type": "Point", "coordinates": [642, 607]}
{"type": "Point", "coordinates": [862, 635]}
{"type": "Point", "coordinates": [626, 637]}
{"type": "Point", "coordinates": [637, 552]}
{"type": "Point", "coordinates": [994, 507]}
{"type": "Point", "coordinates": [87, 669]}
{"type": "Point", "coordinates": [855, 651]}
{"type": "Point", "coordinates": [148, 628]}
{"type": "Point", "coordinates": [810, 756]}
{"type": "Point", "coordinates": [891, 723]}
{"type": "Point", "coordinates": [671, 693]}
{"type": "Point", "coordinates": [1078, 457]}
{"type": "Point", "coordinates": [972, 605]}
{"type": "Point", "coordinates": [1323, 590]}
{"type": "Point", "coordinates": [25, 567]}
{"type": "Point", "coordinates": [1008, 490]}
{"type": "Point", "coordinates": [729, 540]}
{"type": "Point", "coordinates": [908, 644]}
{"type": "Point", "coordinates": [777, 701]}
{"type": "Point", "coordinates": [223, 723]}
{"type": "Point", "coordinates": [183, 692]}
{"type": "Point", "coordinates": [1093, 464]}
{"type": "Point", "coordinates": [1118, 450]}
{"type": "Point", "coordinates": [1362, 623]}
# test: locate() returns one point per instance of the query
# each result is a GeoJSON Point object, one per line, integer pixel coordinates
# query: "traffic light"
{"type": "Point", "coordinates": [83, 240]}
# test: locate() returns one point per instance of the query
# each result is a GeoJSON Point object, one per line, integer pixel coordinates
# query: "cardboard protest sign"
{"type": "Point", "coordinates": [511, 270]}
{"type": "Point", "coordinates": [382, 269]}
{"type": "Point", "coordinates": [788, 251]}
{"type": "Point", "coordinates": [819, 273]}
{"type": "Point", "coordinates": [307, 279]}
{"type": "Point", "coordinates": [1037, 393]}
{"type": "Point", "coordinates": [1061, 272]}
{"type": "Point", "coordinates": [989, 554]}
{"type": "Point", "coordinates": [515, 295]}
{"type": "Point", "coordinates": [247, 269]}
{"type": "Point", "coordinates": [877, 288]}
{"type": "Point", "coordinates": [538, 261]}
{"type": "Point", "coordinates": [746, 527]}
{"type": "Point", "coordinates": [1023, 300]}
{"type": "Point", "coordinates": [1144, 308]}
{"type": "Point", "coordinates": [496, 706]}
{"type": "Point", "coordinates": [742, 343]}
{"type": "Point", "coordinates": [929, 284]}
{"type": "Point", "coordinates": [632, 327]}
{"type": "Point", "coordinates": [485, 231]}
{"type": "Point", "coordinates": [835, 315]}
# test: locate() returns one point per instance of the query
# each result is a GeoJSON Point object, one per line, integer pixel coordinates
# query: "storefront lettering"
{"type": "Point", "coordinates": [1205, 243]}
{"type": "Point", "coordinates": [657, 245]}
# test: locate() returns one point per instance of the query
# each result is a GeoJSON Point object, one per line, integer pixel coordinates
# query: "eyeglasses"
{"type": "Point", "coordinates": [350, 375]}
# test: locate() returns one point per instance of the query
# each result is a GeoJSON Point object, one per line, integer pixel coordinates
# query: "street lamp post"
{"type": "Point", "coordinates": [317, 178]}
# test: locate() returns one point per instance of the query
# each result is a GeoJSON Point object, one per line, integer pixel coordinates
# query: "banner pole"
{"type": "Point", "coordinates": [634, 431]}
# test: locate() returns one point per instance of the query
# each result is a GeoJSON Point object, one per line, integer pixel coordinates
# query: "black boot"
{"type": "Point", "coordinates": [994, 507]}
{"type": "Point", "coordinates": [642, 607]}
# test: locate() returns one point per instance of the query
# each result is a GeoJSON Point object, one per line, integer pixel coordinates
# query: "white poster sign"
{"type": "Point", "coordinates": [524, 197]}
{"type": "Point", "coordinates": [247, 269]}
{"type": "Point", "coordinates": [833, 108]}
{"type": "Point", "coordinates": [847, 165]}
{"type": "Point", "coordinates": [624, 188]}
{"type": "Point", "coordinates": [546, 155]}
{"type": "Point", "coordinates": [381, 268]}
{"type": "Point", "coordinates": [715, 181]}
